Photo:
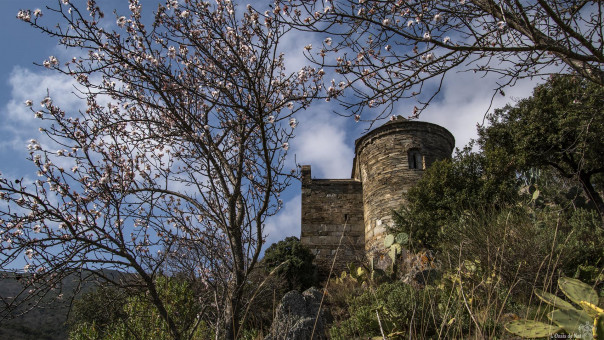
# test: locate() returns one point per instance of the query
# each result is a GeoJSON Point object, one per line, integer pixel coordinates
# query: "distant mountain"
{"type": "Point", "coordinates": [47, 321]}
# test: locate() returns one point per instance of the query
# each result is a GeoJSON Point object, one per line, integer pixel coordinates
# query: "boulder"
{"type": "Point", "coordinates": [421, 269]}
{"type": "Point", "coordinates": [296, 316]}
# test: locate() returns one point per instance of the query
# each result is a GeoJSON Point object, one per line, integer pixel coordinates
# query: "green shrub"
{"type": "Point", "coordinates": [402, 309]}
{"type": "Point", "coordinates": [139, 319]}
{"type": "Point", "coordinates": [449, 189]}
{"type": "Point", "coordinates": [293, 269]}
{"type": "Point", "coordinates": [295, 261]}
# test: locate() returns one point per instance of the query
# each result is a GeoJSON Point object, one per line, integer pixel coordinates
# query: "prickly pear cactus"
{"type": "Point", "coordinates": [388, 240]}
{"type": "Point", "coordinates": [531, 329]}
{"type": "Point", "coordinates": [395, 250]}
{"type": "Point", "coordinates": [586, 322]}
{"type": "Point", "coordinates": [402, 238]}
{"type": "Point", "coordinates": [553, 300]}
{"type": "Point", "coordinates": [577, 291]}
{"type": "Point", "coordinates": [573, 321]}
{"type": "Point", "coordinates": [591, 309]}
{"type": "Point", "coordinates": [598, 330]}
{"type": "Point", "coordinates": [360, 272]}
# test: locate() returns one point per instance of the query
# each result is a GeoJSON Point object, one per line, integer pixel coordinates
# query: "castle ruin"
{"type": "Point", "coordinates": [388, 161]}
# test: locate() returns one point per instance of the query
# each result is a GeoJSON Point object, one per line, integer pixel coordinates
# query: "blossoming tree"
{"type": "Point", "coordinates": [391, 50]}
{"type": "Point", "coordinates": [179, 150]}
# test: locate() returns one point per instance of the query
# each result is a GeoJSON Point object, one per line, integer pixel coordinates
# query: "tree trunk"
{"type": "Point", "coordinates": [233, 312]}
{"type": "Point", "coordinates": [592, 194]}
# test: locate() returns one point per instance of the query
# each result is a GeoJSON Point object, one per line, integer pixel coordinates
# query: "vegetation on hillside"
{"type": "Point", "coordinates": [170, 171]}
{"type": "Point", "coordinates": [510, 217]}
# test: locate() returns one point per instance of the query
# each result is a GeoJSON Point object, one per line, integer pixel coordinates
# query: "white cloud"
{"type": "Point", "coordinates": [321, 141]}
{"type": "Point", "coordinates": [285, 223]}
{"type": "Point", "coordinates": [19, 122]}
{"type": "Point", "coordinates": [26, 84]}
{"type": "Point", "coordinates": [465, 99]}
{"type": "Point", "coordinates": [292, 45]}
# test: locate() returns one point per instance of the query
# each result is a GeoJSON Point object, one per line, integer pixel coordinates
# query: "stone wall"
{"type": "Point", "coordinates": [332, 208]}
{"type": "Point", "coordinates": [388, 161]}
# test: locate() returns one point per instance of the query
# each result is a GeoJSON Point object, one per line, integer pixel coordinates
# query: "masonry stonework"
{"type": "Point", "coordinates": [332, 220]}
{"type": "Point", "coordinates": [350, 216]}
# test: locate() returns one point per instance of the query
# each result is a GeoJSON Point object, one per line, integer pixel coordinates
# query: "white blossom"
{"type": "Point", "coordinates": [428, 56]}
{"type": "Point", "coordinates": [24, 15]}
{"type": "Point", "coordinates": [285, 146]}
{"type": "Point", "coordinates": [46, 102]}
{"type": "Point", "coordinates": [121, 21]}
{"type": "Point", "coordinates": [427, 36]}
{"type": "Point", "coordinates": [29, 103]}
{"type": "Point", "coordinates": [293, 122]}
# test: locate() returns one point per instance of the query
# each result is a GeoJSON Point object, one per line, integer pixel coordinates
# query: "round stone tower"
{"type": "Point", "coordinates": [388, 161]}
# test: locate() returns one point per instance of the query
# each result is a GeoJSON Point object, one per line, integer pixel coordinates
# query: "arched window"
{"type": "Point", "coordinates": [415, 159]}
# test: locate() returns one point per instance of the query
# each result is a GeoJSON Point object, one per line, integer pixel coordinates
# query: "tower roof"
{"type": "Point", "coordinates": [400, 124]}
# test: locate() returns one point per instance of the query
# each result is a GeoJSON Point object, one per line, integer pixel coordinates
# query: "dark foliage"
{"type": "Point", "coordinates": [561, 126]}
{"type": "Point", "coordinates": [294, 261]}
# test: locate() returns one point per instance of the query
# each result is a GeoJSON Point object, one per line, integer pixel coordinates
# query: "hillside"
{"type": "Point", "coordinates": [47, 321]}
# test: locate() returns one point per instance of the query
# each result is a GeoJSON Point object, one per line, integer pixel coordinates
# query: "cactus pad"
{"type": "Point", "coordinates": [572, 320]}
{"type": "Point", "coordinates": [402, 238]}
{"type": "Point", "coordinates": [395, 250]}
{"type": "Point", "coordinates": [591, 309]}
{"type": "Point", "coordinates": [360, 271]}
{"type": "Point", "coordinates": [598, 330]}
{"type": "Point", "coordinates": [389, 240]}
{"type": "Point", "coordinates": [577, 291]}
{"type": "Point", "coordinates": [531, 329]}
{"type": "Point", "coordinates": [553, 300]}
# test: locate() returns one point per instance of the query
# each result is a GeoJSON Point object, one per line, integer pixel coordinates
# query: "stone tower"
{"type": "Point", "coordinates": [388, 161]}
{"type": "Point", "coordinates": [349, 216]}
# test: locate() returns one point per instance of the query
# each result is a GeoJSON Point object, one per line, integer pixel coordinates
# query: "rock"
{"type": "Point", "coordinates": [296, 315]}
{"type": "Point", "coordinates": [421, 269]}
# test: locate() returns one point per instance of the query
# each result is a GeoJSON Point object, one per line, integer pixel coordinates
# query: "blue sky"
{"type": "Point", "coordinates": [323, 139]}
